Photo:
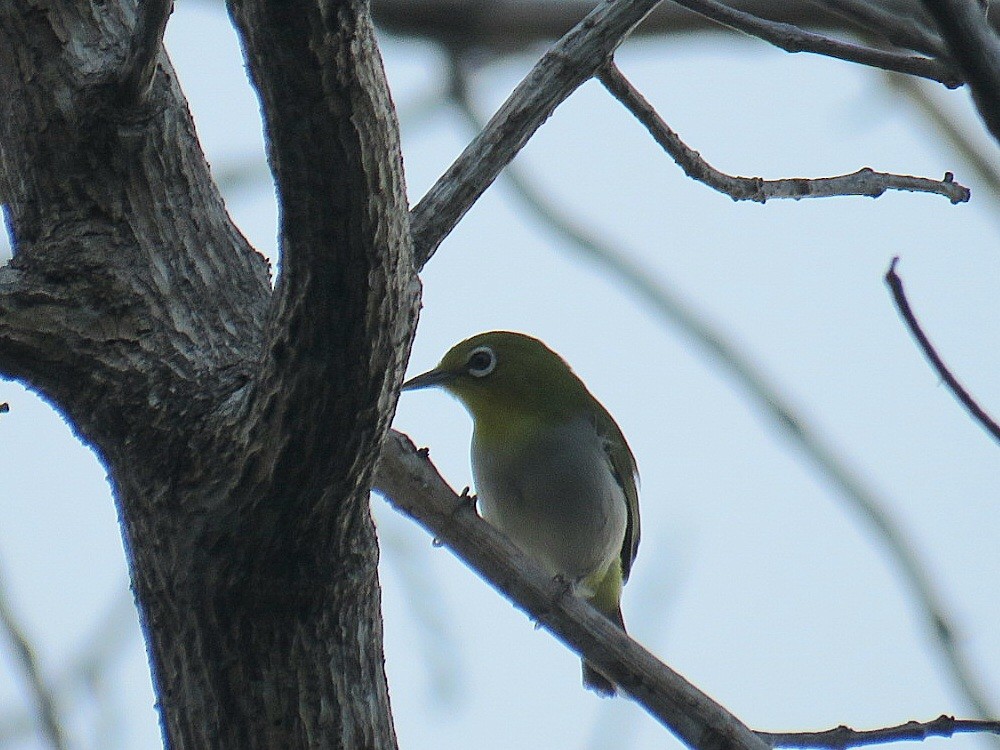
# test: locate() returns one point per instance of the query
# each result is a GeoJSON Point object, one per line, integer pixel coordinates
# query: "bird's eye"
{"type": "Point", "coordinates": [481, 362]}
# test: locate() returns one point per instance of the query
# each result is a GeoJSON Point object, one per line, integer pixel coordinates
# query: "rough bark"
{"type": "Point", "coordinates": [239, 427]}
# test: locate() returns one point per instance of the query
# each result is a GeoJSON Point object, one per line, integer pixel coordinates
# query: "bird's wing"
{"type": "Point", "coordinates": [627, 473]}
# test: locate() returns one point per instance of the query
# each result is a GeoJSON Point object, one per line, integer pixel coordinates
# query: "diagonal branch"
{"type": "Point", "coordinates": [906, 312]}
{"type": "Point", "coordinates": [896, 28]}
{"type": "Point", "coordinates": [975, 48]}
{"type": "Point", "coordinates": [411, 483]}
{"type": "Point", "coordinates": [793, 39]}
{"type": "Point", "coordinates": [42, 695]}
{"type": "Point", "coordinates": [795, 426]}
{"type": "Point", "coordinates": [863, 182]}
{"type": "Point", "coordinates": [563, 69]}
{"type": "Point", "coordinates": [843, 737]}
{"type": "Point", "coordinates": [136, 75]}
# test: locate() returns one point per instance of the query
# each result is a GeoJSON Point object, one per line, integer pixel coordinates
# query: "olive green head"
{"type": "Point", "coordinates": [501, 371]}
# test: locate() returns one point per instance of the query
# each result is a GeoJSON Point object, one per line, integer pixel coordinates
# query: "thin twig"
{"type": "Point", "coordinates": [902, 304]}
{"type": "Point", "coordinates": [766, 395]}
{"type": "Point", "coordinates": [865, 181]}
{"type": "Point", "coordinates": [411, 483]}
{"type": "Point", "coordinates": [47, 718]}
{"type": "Point", "coordinates": [566, 66]}
{"type": "Point", "coordinates": [136, 75]}
{"type": "Point", "coordinates": [975, 48]}
{"type": "Point", "coordinates": [793, 39]}
{"type": "Point", "coordinates": [896, 28]}
{"type": "Point", "coordinates": [87, 676]}
{"type": "Point", "coordinates": [945, 123]}
{"type": "Point", "coordinates": [843, 737]}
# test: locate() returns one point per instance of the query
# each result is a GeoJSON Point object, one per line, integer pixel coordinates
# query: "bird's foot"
{"type": "Point", "coordinates": [466, 501]}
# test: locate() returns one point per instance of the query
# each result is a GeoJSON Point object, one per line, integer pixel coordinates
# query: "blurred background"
{"type": "Point", "coordinates": [758, 578]}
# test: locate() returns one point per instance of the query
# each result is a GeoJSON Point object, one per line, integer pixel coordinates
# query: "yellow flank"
{"type": "Point", "coordinates": [607, 588]}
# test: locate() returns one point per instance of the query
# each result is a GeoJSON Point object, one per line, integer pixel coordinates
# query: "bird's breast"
{"type": "Point", "coordinates": [552, 491]}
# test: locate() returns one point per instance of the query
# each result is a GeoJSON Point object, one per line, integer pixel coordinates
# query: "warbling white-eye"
{"type": "Point", "coordinates": [552, 468]}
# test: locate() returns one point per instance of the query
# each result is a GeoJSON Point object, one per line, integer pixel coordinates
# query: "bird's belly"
{"type": "Point", "coordinates": [558, 501]}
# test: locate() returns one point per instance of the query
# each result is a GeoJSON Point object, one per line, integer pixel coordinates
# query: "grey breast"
{"type": "Point", "coordinates": [556, 498]}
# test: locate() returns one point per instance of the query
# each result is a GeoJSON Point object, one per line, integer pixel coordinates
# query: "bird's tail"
{"type": "Point", "coordinates": [606, 598]}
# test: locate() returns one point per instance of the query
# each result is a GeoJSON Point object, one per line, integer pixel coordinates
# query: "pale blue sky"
{"type": "Point", "coordinates": [752, 579]}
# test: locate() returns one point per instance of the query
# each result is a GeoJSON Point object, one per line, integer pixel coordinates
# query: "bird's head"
{"type": "Point", "coordinates": [500, 372]}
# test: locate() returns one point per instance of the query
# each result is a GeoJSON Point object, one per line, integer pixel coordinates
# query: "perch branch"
{"type": "Point", "coordinates": [763, 393]}
{"type": "Point", "coordinates": [844, 737]}
{"type": "Point", "coordinates": [906, 312]}
{"type": "Point", "coordinates": [411, 483]}
{"type": "Point", "coordinates": [863, 182]}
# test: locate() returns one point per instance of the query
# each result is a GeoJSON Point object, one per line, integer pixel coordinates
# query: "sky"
{"type": "Point", "coordinates": [755, 578]}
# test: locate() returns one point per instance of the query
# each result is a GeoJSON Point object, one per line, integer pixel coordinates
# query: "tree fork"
{"type": "Point", "coordinates": [239, 427]}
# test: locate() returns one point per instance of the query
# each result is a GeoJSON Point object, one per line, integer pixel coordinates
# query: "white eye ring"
{"type": "Point", "coordinates": [482, 361]}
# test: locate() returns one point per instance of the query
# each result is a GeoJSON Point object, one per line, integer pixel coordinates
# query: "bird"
{"type": "Point", "coordinates": [551, 467]}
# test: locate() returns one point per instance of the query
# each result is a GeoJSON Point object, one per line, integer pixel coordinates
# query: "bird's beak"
{"type": "Point", "coordinates": [429, 379]}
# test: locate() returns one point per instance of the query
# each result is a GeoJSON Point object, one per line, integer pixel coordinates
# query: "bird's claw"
{"type": "Point", "coordinates": [468, 499]}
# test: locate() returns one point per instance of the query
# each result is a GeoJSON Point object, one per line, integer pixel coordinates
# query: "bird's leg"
{"type": "Point", "coordinates": [466, 500]}
{"type": "Point", "coordinates": [565, 586]}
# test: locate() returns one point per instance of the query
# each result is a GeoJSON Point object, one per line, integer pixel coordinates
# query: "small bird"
{"type": "Point", "coordinates": [552, 468]}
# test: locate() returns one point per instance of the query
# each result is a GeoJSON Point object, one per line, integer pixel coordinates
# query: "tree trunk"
{"type": "Point", "coordinates": [239, 426]}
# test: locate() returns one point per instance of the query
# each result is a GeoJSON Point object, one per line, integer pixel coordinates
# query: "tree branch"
{"type": "Point", "coordinates": [793, 39]}
{"type": "Point", "coordinates": [863, 182]}
{"type": "Point", "coordinates": [344, 306]}
{"type": "Point", "coordinates": [567, 65]}
{"type": "Point", "coordinates": [905, 311]}
{"type": "Point", "coordinates": [904, 31]}
{"type": "Point", "coordinates": [947, 126]}
{"type": "Point", "coordinates": [47, 717]}
{"type": "Point", "coordinates": [843, 737]}
{"type": "Point", "coordinates": [763, 393]}
{"type": "Point", "coordinates": [411, 483]}
{"type": "Point", "coordinates": [507, 26]}
{"type": "Point", "coordinates": [975, 48]}
{"type": "Point", "coordinates": [136, 75]}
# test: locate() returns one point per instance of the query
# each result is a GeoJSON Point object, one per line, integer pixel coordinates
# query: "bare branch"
{"type": "Point", "coordinates": [843, 737]}
{"type": "Point", "coordinates": [136, 74]}
{"type": "Point", "coordinates": [567, 65]}
{"type": "Point", "coordinates": [411, 483]}
{"type": "Point", "coordinates": [47, 717]}
{"type": "Point", "coordinates": [863, 182]}
{"type": "Point", "coordinates": [975, 48]}
{"type": "Point", "coordinates": [824, 458]}
{"type": "Point", "coordinates": [88, 672]}
{"type": "Point", "coordinates": [946, 124]}
{"type": "Point", "coordinates": [899, 295]}
{"type": "Point", "coordinates": [506, 26]}
{"type": "Point", "coordinates": [896, 28]}
{"type": "Point", "coordinates": [793, 39]}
